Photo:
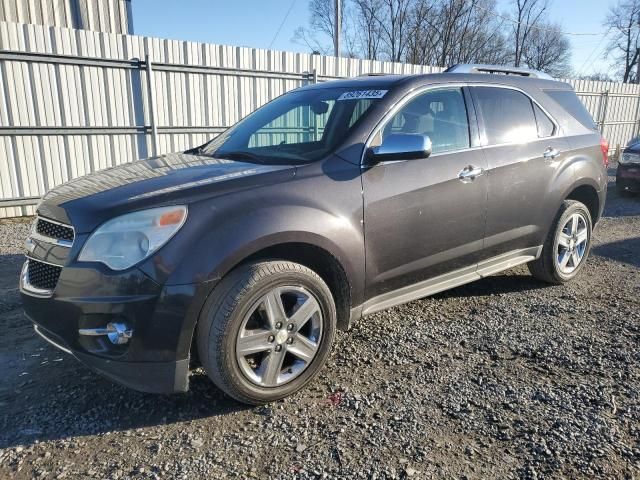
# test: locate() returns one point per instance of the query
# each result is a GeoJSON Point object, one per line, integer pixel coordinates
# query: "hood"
{"type": "Point", "coordinates": [633, 146]}
{"type": "Point", "coordinates": [88, 201]}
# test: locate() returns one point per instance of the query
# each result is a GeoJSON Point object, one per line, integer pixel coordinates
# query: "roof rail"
{"type": "Point", "coordinates": [480, 68]}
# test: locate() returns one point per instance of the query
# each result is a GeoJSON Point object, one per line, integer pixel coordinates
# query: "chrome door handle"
{"type": "Point", "coordinates": [551, 153]}
{"type": "Point", "coordinates": [469, 173]}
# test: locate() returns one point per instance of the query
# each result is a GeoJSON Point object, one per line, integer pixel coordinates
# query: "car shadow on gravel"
{"type": "Point", "coordinates": [623, 251]}
{"type": "Point", "coordinates": [87, 404]}
{"type": "Point", "coordinates": [495, 285]}
{"type": "Point", "coordinates": [46, 394]}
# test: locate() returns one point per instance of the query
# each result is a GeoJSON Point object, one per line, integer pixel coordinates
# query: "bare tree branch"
{"type": "Point", "coordinates": [623, 21]}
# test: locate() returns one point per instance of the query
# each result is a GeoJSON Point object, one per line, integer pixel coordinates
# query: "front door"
{"type": "Point", "coordinates": [422, 220]}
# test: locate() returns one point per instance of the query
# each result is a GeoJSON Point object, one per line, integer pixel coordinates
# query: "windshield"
{"type": "Point", "coordinates": [298, 127]}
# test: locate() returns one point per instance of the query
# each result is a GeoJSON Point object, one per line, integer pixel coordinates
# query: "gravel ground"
{"type": "Point", "coordinates": [502, 378]}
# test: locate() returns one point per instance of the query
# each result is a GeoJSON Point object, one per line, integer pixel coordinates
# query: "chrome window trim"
{"type": "Point", "coordinates": [556, 125]}
{"type": "Point", "coordinates": [422, 89]}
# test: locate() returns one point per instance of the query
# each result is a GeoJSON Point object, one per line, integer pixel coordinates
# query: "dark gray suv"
{"type": "Point", "coordinates": [331, 202]}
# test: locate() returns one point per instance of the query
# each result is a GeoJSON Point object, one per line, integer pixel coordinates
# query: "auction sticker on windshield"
{"type": "Point", "coordinates": [360, 94]}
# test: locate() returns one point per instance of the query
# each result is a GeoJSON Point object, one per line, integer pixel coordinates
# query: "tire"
{"type": "Point", "coordinates": [548, 266]}
{"type": "Point", "coordinates": [246, 303]}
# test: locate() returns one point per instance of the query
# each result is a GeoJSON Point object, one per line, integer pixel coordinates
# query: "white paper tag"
{"type": "Point", "coordinates": [359, 94]}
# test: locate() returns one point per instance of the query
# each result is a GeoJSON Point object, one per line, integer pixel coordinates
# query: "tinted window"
{"type": "Point", "coordinates": [572, 104]}
{"type": "Point", "coordinates": [507, 114]}
{"type": "Point", "coordinates": [545, 125]}
{"type": "Point", "coordinates": [361, 106]}
{"type": "Point", "coordinates": [441, 114]}
{"type": "Point", "coordinates": [298, 127]}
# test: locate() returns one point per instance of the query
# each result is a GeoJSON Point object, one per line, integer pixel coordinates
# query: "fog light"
{"type": "Point", "coordinates": [117, 333]}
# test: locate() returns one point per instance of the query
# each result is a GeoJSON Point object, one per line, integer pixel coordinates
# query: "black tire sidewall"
{"type": "Point", "coordinates": [222, 351]}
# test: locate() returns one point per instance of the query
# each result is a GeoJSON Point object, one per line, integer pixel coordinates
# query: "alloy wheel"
{"type": "Point", "coordinates": [280, 336]}
{"type": "Point", "coordinates": [572, 243]}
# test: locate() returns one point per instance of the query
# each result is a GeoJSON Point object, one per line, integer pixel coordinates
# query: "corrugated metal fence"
{"type": "Point", "coordinates": [76, 101]}
{"type": "Point", "coordinates": [100, 15]}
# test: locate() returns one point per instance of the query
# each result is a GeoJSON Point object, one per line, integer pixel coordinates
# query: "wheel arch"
{"type": "Point", "coordinates": [313, 256]}
{"type": "Point", "coordinates": [321, 261]}
{"type": "Point", "coordinates": [588, 195]}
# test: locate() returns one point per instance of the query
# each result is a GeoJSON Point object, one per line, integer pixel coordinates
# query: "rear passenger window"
{"type": "Point", "coordinates": [572, 104]}
{"type": "Point", "coordinates": [545, 125]}
{"type": "Point", "coordinates": [507, 114]}
{"type": "Point", "coordinates": [439, 113]}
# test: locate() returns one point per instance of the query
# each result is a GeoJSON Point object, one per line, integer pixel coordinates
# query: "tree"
{"type": "Point", "coordinates": [368, 27]}
{"type": "Point", "coordinates": [321, 28]}
{"type": "Point", "coordinates": [596, 77]}
{"type": "Point", "coordinates": [548, 49]}
{"type": "Point", "coordinates": [478, 37]}
{"type": "Point", "coordinates": [393, 20]}
{"type": "Point", "coordinates": [446, 32]}
{"type": "Point", "coordinates": [528, 14]}
{"type": "Point", "coordinates": [443, 32]}
{"type": "Point", "coordinates": [624, 23]}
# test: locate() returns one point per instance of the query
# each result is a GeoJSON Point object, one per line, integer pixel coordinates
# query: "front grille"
{"type": "Point", "coordinates": [43, 275]}
{"type": "Point", "coordinates": [54, 230]}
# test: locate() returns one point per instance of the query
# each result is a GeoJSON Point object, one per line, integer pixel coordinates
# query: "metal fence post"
{"type": "Point", "coordinates": [636, 117]}
{"type": "Point", "coordinates": [138, 89]}
{"type": "Point", "coordinates": [604, 103]}
{"type": "Point", "coordinates": [151, 102]}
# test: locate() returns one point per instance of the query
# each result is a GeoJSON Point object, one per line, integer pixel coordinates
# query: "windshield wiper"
{"type": "Point", "coordinates": [239, 154]}
{"type": "Point", "coordinates": [195, 150]}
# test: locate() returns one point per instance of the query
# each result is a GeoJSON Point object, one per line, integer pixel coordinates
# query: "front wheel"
{"type": "Point", "coordinates": [266, 330]}
{"type": "Point", "coordinates": [567, 246]}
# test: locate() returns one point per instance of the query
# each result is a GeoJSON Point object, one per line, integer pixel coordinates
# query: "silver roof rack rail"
{"type": "Point", "coordinates": [480, 68]}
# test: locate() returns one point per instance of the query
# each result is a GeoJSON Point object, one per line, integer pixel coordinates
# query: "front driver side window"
{"type": "Point", "coordinates": [440, 113]}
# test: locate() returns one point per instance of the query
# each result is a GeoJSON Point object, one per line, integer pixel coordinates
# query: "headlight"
{"type": "Point", "coordinates": [126, 240]}
{"type": "Point", "coordinates": [630, 158]}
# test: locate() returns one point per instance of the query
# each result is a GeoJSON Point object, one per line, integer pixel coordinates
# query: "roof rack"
{"type": "Point", "coordinates": [501, 69]}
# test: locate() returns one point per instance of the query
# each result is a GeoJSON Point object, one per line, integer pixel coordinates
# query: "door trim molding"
{"type": "Point", "coordinates": [449, 280]}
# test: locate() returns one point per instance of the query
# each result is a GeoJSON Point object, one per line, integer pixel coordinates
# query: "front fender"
{"type": "Point", "coordinates": [265, 227]}
{"type": "Point", "coordinates": [316, 207]}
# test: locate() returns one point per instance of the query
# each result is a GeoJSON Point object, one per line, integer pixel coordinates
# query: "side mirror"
{"type": "Point", "coordinates": [401, 146]}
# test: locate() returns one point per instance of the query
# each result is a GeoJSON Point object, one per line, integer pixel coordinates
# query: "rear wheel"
{"type": "Point", "coordinates": [266, 330]}
{"type": "Point", "coordinates": [567, 246]}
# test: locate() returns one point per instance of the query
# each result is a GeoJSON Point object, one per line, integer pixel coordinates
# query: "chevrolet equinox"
{"type": "Point", "coordinates": [333, 201]}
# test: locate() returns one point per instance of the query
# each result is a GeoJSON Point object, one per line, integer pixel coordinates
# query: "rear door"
{"type": "Point", "coordinates": [524, 153]}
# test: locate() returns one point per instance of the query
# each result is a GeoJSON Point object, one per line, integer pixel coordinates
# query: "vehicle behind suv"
{"type": "Point", "coordinates": [628, 171]}
{"type": "Point", "coordinates": [331, 202]}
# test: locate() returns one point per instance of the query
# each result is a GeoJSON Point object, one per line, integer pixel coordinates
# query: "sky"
{"type": "Point", "coordinates": [255, 23]}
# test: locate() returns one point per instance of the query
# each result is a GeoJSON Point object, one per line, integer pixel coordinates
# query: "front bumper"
{"type": "Point", "coordinates": [155, 359]}
{"type": "Point", "coordinates": [152, 377]}
{"type": "Point", "coordinates": [628, 177]}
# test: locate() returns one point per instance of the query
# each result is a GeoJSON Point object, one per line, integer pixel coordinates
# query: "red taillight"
{"type": "Point", "coordinates": [604, 147]}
